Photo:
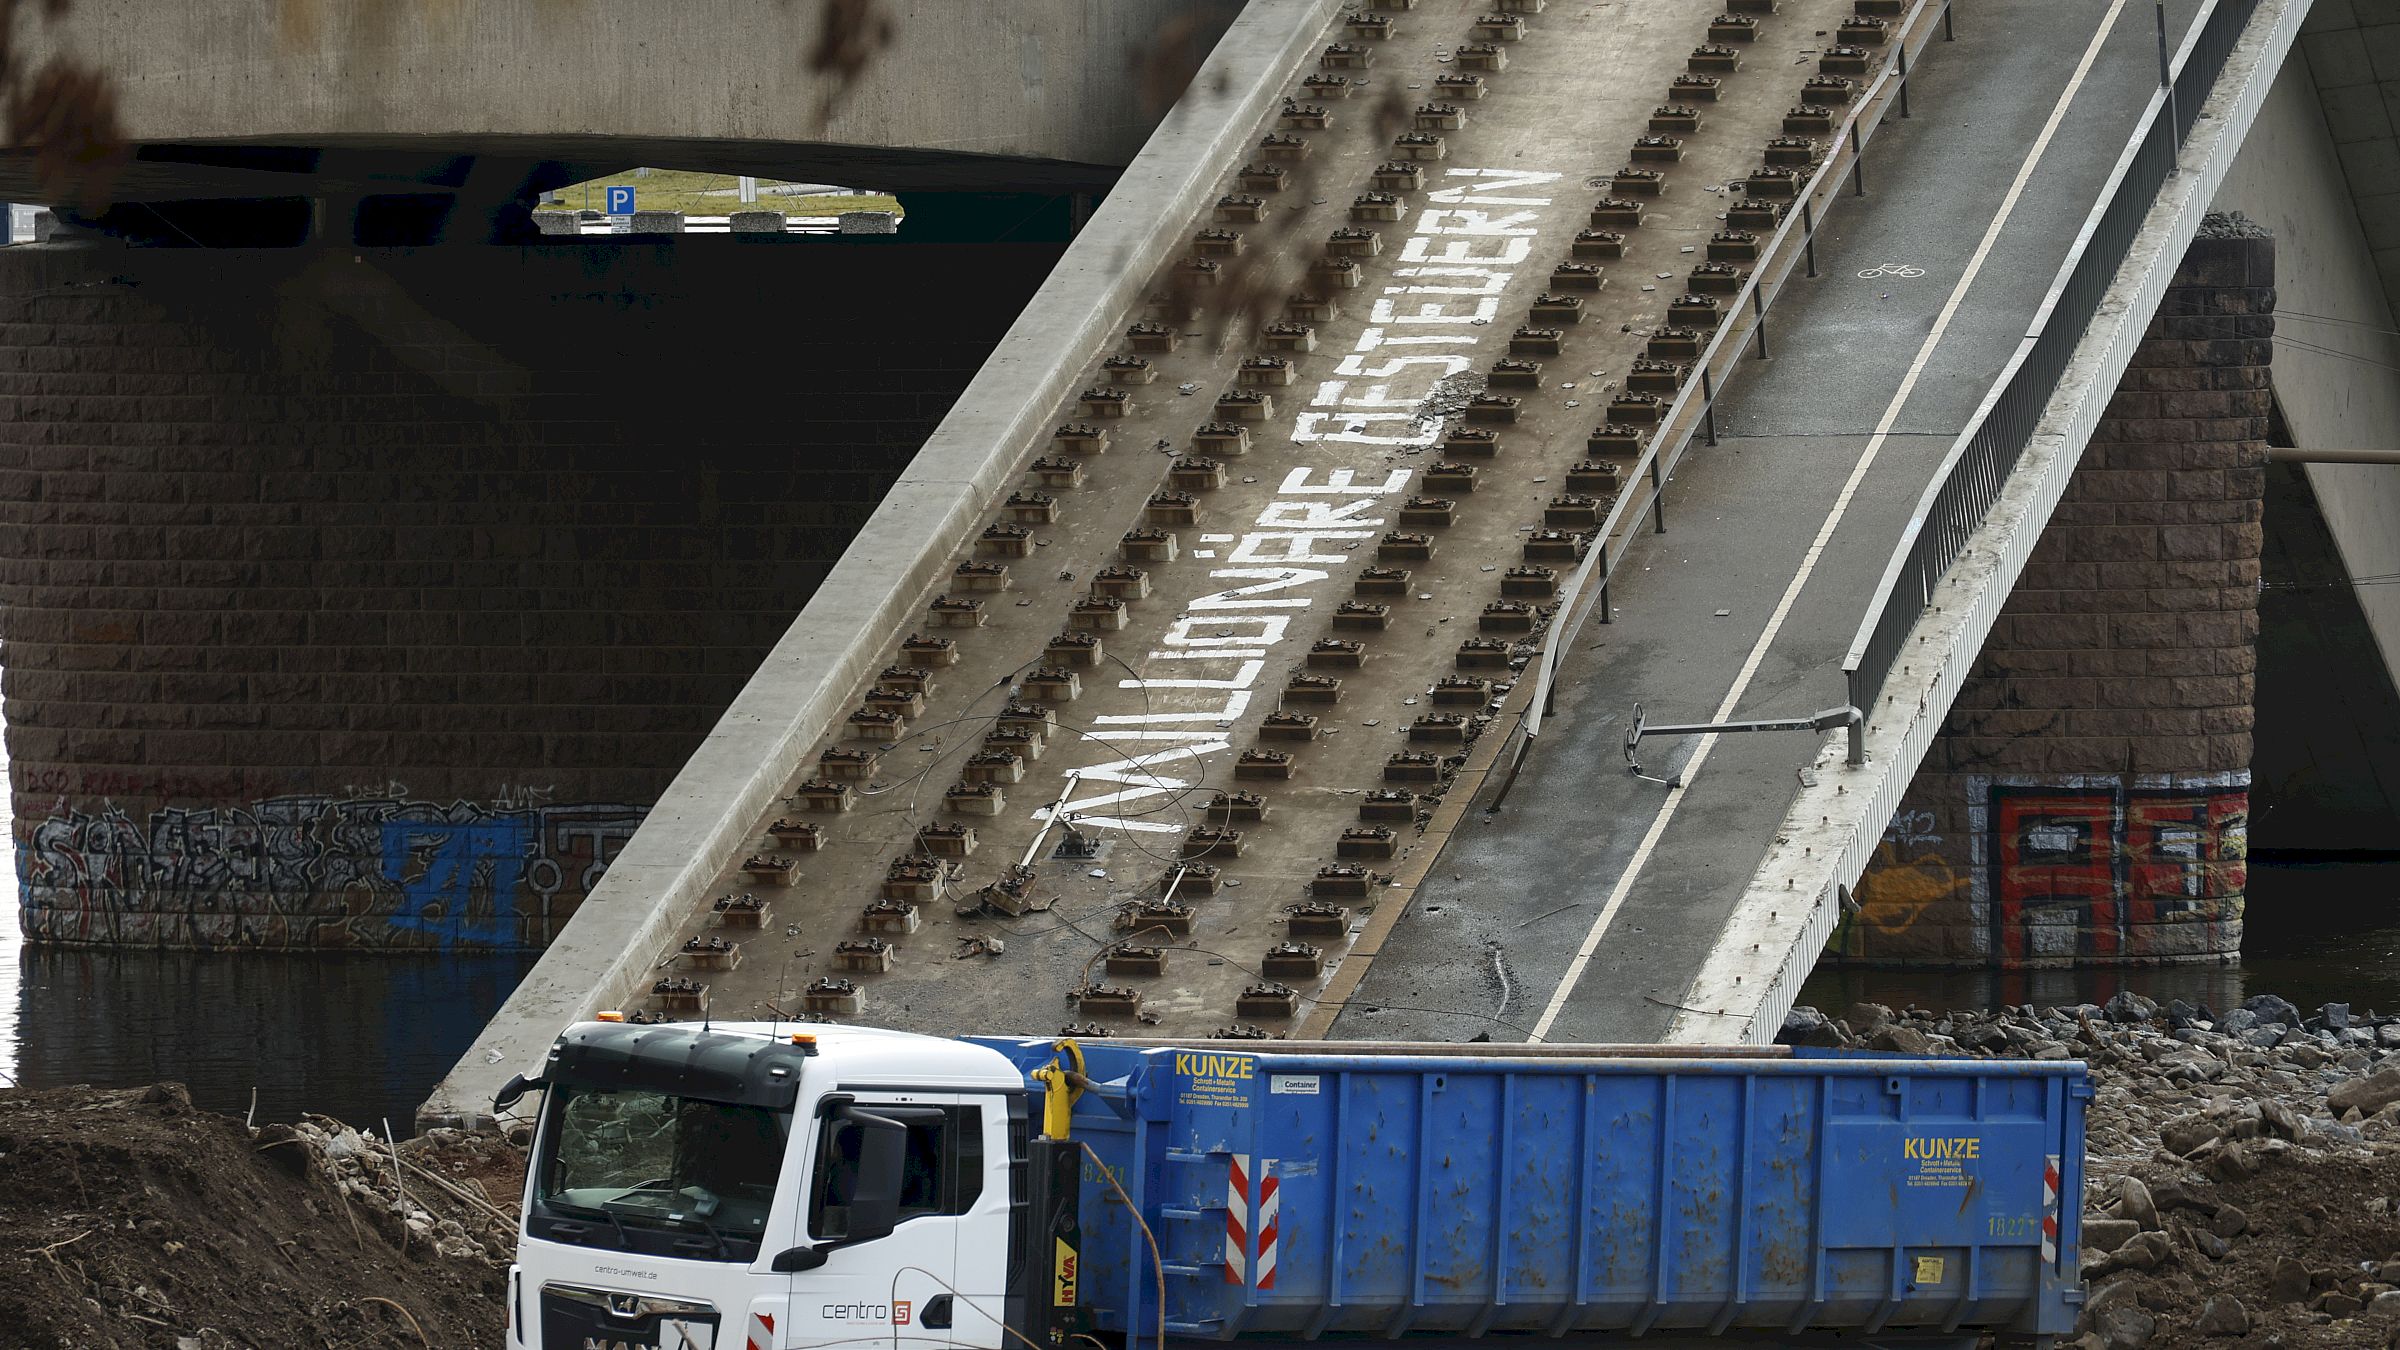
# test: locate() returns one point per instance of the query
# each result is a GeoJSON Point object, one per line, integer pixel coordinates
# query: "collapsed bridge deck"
{"type": "Point", "coordinates": [1251, 623]}
{"type": "Point", "coordinates": [1166, 735]}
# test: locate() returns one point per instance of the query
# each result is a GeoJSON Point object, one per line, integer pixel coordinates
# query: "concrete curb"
{"type": "Point", "coordinates": [1794, 899]}
{"type": "Point", "coordinates": [703, 819]}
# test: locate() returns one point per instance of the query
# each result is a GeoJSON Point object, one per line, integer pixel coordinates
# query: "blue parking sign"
{"type": "Point", "coordinates": [620, 201]}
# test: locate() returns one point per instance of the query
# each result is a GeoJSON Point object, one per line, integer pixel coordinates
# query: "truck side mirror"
{"type": "Point", "coordinates": [882, 1147]}
{"type": "Point", "coordinates": [514, 1090]}
{"type": "Point", "coordinates": [866, 1177]}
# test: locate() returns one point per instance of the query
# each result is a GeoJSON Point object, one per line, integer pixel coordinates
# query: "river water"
{"type": "Point", "coordinates": [357, 1037]}
{"type": "Point", "coordinates": [2314, 932]}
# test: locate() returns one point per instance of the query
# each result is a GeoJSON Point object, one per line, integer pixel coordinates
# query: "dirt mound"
{"type": "Point", "coordinates": [133, 1219]}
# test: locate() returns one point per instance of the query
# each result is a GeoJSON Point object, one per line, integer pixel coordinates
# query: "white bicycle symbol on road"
{"type": "Point", "coordinates": [1891, 270]}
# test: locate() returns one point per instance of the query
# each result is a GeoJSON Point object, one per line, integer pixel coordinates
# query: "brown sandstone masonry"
{"type": "Point", "coordinates": [368, 598]}
{"type": "Point", "coordinates": [2087, 798]}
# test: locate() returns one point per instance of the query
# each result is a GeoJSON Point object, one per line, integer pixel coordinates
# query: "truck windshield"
{"type": "Point", "coordinates": [646, 1160]}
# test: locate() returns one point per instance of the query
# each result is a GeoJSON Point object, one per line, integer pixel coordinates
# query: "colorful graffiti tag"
{"type": "Point", "coordinates": [1910, 896]}
{"type": "Point", "coordinates": [2051, 871]}
{"type": "Point", "coordinates": [2113, 871]}
{"type": "Point", "coordinates": [316, 872]}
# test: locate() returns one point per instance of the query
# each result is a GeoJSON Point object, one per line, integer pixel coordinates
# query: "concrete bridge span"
{"type": "Point", "coordinates": [2161, 314]}
{"type": "Point", "coordinates": [1886, 365]}
{"type": "Point", "coordinates": [489, 103]}
{"type": "Point", "coordinates": [2321, 171]}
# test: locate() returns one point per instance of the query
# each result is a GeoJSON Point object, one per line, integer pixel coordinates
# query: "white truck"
{"type": "Point", "coordinates": [782, 1187]}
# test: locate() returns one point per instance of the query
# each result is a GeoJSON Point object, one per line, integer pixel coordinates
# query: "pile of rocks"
{"type": "Point", "coordinates": [445, 1192]}
{"type": "Point", "coordinates": [2242, 1177]}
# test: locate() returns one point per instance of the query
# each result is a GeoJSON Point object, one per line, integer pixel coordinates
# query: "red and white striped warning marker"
{"type": "Point", "coordinates": [2050, 1210]}
{"type": "Point", "coordinates": [1237, 1220]}
{"type": "Point", "coordinates": [1270, 1204]}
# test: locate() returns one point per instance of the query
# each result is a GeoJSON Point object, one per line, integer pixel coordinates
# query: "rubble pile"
{"type": "Point", "coordinates": [438, 1192]}
{"type": "Point", "coordinates": [2242, 1179]}
{"type": "Point", "coordinates": [131, 1219]}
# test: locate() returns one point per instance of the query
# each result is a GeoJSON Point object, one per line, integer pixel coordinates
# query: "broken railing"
{"type": "Point", "coordinates": [1692, 413]}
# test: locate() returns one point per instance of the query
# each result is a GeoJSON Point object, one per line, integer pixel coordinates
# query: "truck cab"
{"type": "Point", "coordinates": [758, 1186]}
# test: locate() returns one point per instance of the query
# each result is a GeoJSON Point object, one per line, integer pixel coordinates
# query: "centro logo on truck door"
{"type": "Point", "coordinates": [896, 1313]}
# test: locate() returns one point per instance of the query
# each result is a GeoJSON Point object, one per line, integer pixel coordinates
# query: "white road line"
{"type": "Point", "coordinates": [1816, 549]}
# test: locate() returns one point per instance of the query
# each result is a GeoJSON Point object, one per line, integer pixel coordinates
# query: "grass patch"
{"type": "Point", "coordinates": [709, 194]}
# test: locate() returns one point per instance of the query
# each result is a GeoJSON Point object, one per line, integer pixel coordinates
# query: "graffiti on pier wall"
{"type": "Point", "coordinates": [316, 872]}
{"type": "Point", "coordinates": [1911, 894]}
{"type": "Point", "coordinates": [2061, 870]}
{"type": "Point", "coordinates": [2107, 869]}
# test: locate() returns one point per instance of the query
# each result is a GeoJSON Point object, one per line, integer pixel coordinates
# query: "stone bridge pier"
{"type": "Point", "coordinates": [2088, 800]}
{"type": "Point", "coordinates": [368, 599]}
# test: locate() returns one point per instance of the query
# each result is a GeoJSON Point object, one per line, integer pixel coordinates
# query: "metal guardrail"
{"type": "Point", "coordinates": [1693, 411]}
{"type": "Point", "coordinates": [1980, 461]}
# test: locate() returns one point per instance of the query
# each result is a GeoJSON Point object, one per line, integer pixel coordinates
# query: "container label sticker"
{"type": "Point", "coordinates": [1941, 1161]}
{"type": "Point", "coordinates": [1929, 1270]}
{"type": "Point", "coordinates": [1293, 1085]}
{"type": "Point", "coordinates": [1215, 1080]}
